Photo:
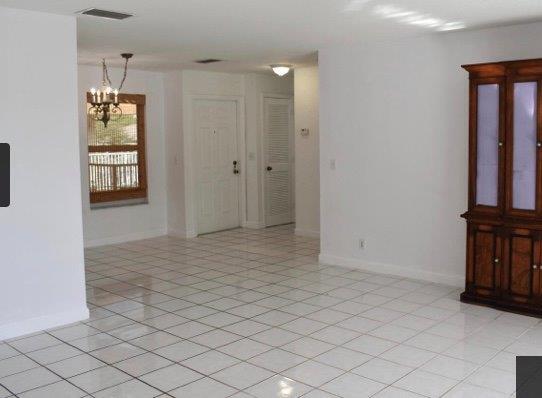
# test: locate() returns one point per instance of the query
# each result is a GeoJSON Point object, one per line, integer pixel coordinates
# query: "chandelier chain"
{"type": "Point", "coordinates": [105, 101]}
{"type": "Point", "coordinates": [105, 73]}
{"type": "Point", "coordinates": [125, 72]}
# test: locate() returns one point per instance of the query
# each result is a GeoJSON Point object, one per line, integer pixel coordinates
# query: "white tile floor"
{"type": "Point", "coordinates": [251, 314]}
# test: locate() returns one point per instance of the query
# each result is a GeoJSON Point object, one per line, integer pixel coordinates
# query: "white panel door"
{"type": "Point", "coordinates": [217, 183]}
{"type": "Point", "coordinates": [278, 158]}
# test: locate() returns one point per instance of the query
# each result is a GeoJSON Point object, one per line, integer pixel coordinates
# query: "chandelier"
{"type": "Point", "coordinates": [105, 101]}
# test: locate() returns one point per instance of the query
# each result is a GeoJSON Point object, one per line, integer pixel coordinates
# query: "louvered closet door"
{"type": "Point", "coordinates": [278, 156]}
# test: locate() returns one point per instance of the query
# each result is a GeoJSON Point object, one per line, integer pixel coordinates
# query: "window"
{"type": "Point", "coordinates": [116, 154]}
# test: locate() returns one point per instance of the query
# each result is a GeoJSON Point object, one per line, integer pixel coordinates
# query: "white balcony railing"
{"type": "Point", "coordinates": [113, 171]}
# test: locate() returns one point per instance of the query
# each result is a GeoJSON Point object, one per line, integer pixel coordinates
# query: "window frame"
{"type": "Point", "coordinates": [131, 193]}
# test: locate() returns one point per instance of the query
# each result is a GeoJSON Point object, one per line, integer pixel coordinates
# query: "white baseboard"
{"type": "Point", "coordinates": [307, 232]}
{"type": "Point", "coordinates": [181, 234]}
{"type": "Point", "coordinates": [253, 225]}
{"type": "Point", "coordinates": [32, 325]}
{"type": "Point", "coordinates": [111, 240]}
{"type": "Point", "coordinates": [390, 269]}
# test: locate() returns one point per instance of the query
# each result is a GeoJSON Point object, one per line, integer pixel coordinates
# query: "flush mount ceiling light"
{"type": "Point", "coordinates": [416, 18]}
{"type": "Point", "coordinates": [105, 101]}
{"type": "Point", "coordinates": [281, 70]}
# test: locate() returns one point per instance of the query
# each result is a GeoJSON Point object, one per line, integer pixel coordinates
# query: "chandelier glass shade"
{"type": "Point", "coordinates": [105, 100]}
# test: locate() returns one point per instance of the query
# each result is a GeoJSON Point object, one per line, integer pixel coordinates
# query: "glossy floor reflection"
{"type": "Point", "coordinates": [251, 313]}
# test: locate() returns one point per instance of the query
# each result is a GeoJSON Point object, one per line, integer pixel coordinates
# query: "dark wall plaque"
{"type": "Point", "coordinates": [4, 175]}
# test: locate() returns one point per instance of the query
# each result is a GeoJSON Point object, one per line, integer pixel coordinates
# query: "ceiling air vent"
{"type": "Point", "coordinates": [208, 61]}
{"type": "Point", "coordinates": [96, 12]}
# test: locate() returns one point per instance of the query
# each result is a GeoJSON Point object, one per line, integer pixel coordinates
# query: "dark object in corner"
{"type": "Point", "coordinates": [4, 175]}
{"type": "Point", "coordinates": [528, 377]}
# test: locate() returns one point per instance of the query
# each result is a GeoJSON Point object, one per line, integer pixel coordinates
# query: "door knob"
{"type": "Point", "coordinates": [269, 168]}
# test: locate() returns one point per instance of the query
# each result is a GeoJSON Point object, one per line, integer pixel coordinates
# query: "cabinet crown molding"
{"type": "Point", "coordinates": [524, 67]}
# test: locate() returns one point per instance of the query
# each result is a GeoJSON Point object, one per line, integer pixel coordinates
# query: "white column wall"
{"type": "Point", "coordinates": [41, 232]}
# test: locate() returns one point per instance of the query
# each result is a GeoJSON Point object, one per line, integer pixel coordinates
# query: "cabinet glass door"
{"type": "Point", "coordinates": [524, 144]}
{"type": "Point", "coordinates": [487, 145]}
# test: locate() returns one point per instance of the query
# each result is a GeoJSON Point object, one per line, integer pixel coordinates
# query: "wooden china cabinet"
{"type": "Point", "coordinates": [504, 219]}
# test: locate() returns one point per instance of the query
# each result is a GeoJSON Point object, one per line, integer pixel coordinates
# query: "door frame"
{"type": "Point", "coordinates": [263, 166]}
{"type": "Point", "coordinates": [189, 147]}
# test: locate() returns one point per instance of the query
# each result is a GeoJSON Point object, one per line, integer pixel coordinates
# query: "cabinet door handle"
{"type": "Point", "coordinates": [535, 266]}
{"type": "Point", "coordinates": [497, 260]}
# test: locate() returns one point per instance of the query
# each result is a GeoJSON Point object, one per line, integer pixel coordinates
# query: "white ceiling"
{"type": "Point", "coordinates": [251, 34]}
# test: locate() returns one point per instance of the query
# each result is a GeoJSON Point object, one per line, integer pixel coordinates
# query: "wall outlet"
{"type": "Point", "coordinates": [362, 244]}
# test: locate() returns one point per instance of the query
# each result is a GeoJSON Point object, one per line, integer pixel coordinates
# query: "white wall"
{"type": "Point", "coordinates": [41, 234]}
{"type": "Point", "coordinates": [175, 176]}
{"type": "Point", "coordinates": [394, 116]}
{"type": "Point", "coordinates": [307, 153]}
{"type": "Point", "coordinates": [119, 224]}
